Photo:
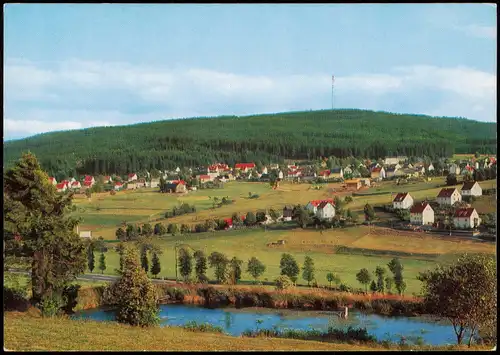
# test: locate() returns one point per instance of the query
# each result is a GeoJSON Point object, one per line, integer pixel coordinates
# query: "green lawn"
{"type": "Point", "coordinates": [246, 244]}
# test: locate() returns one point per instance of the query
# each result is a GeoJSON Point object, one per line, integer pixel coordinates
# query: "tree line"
{"type": "Point", "coordinates": [297, 135]}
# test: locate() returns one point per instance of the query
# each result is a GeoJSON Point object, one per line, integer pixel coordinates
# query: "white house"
{"type": "Point", "coordinates": [466, 218]}
{"type": "Point", "coordinates": [154, 183]}
{"type": "Point", "coordinates": [89, 180]}
{"type": "Point", "coordinates": [448, 196]}
{"type": "Point", "coordinates": [86, 234]}
{"type": "Point", "coordinates": [454, 169]}
{"type": "Point", "coordinates": [421, 214]}
{"type": "Point", "coordinates": [403, 200]}
{"type": "Point", "coordinates": [264, 170]}
{"type": "Point", "coordinates": [325, 210]}
{"type": "Point", "coordinates": [430, 167]}
{"type": "Point", "coordinates": [76, 185]}
{"type": "Point", "coordinates": [118, 186]}
{"type": "Point", "coordinates": [280, 175]}
{"type": "Point", "coordinates": [471, 188]}
{"type": "Point", "coordinates": [313, 205]}
{"type": "Point", "coordinates": [394, 160]}
{"type": "Point", "coordinates": [62, 187]}
{"type": "Point", "coordinates": [287, 213]}
{"type": "Point", "coordinates": [378, 173]}
{"type": "Point", "coordinates": [53, 180]}
{"type": "Point", "coordinates": [132, 177]}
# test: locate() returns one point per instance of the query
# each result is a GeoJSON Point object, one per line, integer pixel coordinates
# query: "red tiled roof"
{"type": "Point", "coordinates": [75, 183]}
{"type": "Point", "coordinates": [88, 178]}
{"type": "Point", "coordinates": [376, 170]}
{"type": "Point", "coordinates": [204, 176]}
{"type": "Point", "coordinates": [118, 183]}
{"type": "Point", "coordinates": [316, 203]}
{"type": "Point", "coordinates": [229, 221]}
{"type": "Point", "coordinates": [131, 175]}
{"type": "Point", "coordinates": [51, 179]}
{"type": "Point", "coordinates": [418, 207]}
{"type": "Point", "coordinates": [325, 172]}
{"type": "Point", "coordinates": [107, 178]}
{"type": "Point", "coordinates": [446, 192]}
{"type": "Point", "coordinates": [177, 182]}
{"type": "Point", "coordinates": [469, 168]}
{"type": "Point", "coordinates": [464, 212]}
{"type": "Point", "coordinates": [244, 165]}
{"type": "Point", "coordinates": [400, 197]}
{"type": "Point", "coordinates": [61, 185]}
{"type": "Point", "coordinates": [87, 183]}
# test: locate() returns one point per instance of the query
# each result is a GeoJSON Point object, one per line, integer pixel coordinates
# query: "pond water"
{"type": "Point", "coordinates": [235, 321]}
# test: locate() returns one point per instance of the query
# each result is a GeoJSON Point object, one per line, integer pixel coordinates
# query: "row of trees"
{"type": "Point", "coordinates": [382, 283]}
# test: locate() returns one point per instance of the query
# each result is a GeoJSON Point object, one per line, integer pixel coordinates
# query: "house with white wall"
{"type": "Point", "coordinates": [325, 210]}
{"type": "Point", "coordinates": [465, 218]}
{"type": "Point", "coordinates": [421, 214]}
{"type": "Point", "coordinates": [448, 196]}
{"type": "Point", "coordinates": [471, 188]}
{"type": "Point", "coordinates": [403, 200]}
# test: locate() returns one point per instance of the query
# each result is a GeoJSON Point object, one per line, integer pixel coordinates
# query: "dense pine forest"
{"type": "Point", "coordinates": [265, 138]}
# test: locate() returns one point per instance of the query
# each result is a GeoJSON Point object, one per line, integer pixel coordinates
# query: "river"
{"type": "Point", "coordinates": [235, 321]}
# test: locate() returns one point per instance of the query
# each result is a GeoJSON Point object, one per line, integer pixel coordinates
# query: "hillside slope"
{"type": "Point", "coordinates": [269, 137]}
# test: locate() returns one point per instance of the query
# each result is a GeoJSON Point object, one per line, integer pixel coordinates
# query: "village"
{"type": "Point", "coordinates": [451, 208]}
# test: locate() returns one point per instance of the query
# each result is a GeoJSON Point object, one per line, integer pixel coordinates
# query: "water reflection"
{"type": "Point", "coordinates": [236, 321]}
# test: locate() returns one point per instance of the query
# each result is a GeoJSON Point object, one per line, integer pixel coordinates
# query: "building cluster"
{"type": "Point", "coordinates": [421, 213]}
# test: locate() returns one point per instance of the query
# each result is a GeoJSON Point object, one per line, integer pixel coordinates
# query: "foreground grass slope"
{"type": "Point", "coordinates": [31, 333]}
{"type": "Point", "coordinates": [28, 332]}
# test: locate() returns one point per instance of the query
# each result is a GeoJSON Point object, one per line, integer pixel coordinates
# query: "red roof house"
{"type": "Point", "coordinates": [53, 180]}
{"type": "Point", "coordinates": [244, 166]}
{"type": "Point", "coordinates": [418, 207]}
{"type": "Point", "coordinates": [446, 192]}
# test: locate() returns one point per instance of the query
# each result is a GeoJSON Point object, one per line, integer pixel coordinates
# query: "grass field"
{"type": "Point", "coordinates": [247, 243]}
{"type": "Point", "coordinates": [104, 213]}
{"type": "Point", "coordinates": [27, 332]}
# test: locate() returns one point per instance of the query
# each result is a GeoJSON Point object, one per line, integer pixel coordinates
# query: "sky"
{"type": "Point", "coordinates": [72, 66]}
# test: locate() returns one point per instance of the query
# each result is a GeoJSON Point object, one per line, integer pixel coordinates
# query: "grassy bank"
{"type": "Point", "coordinates": [28, 332]}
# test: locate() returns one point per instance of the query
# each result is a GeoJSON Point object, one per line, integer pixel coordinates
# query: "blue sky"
{"type": "Point", "coordinates": [69, 66]}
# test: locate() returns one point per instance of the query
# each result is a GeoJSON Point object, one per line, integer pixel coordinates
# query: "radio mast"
{"type": "Point", "coordinates": [333, 85]}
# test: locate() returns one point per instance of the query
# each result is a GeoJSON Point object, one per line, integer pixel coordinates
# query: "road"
{"type": "Point", "coordinates": [93, 277]}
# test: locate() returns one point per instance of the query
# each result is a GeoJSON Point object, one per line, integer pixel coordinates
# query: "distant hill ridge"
{"type": "Point", "coordinates": [263, 137]}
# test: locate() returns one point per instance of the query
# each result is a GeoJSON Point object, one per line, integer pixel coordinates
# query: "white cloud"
{"type": "Point", "coordinates": [479, 31]}
{"type": "Point", "coordinates": [77, 94]}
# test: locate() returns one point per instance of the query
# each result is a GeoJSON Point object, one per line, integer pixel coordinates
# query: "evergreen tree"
{"type": "Point", "coordinates": [308, 270]}
{"type": "Point", "coordinates": [380, 272]}
{"type": "Point", "coordinates": [219, 262]}
{"type": "Point", "coordinates": [133, 295]}
{"type": "Point", "coordinates": [185, 263]}
{"type": "Point", "coordinates": [121, 235]}
{"type": "Point", "coordinates": [102, 263]}
{"type": "Point", "coordinates": [373, 286]}
{"type": "Point", "coordinates": [364, 277]}
{"type": "Point", "coordinates": [255, 268]}
{"type": "Point", "coordinates": [144, 259]}
{"type": "Point", "coordinates": [147, 230]}
{"type": "Point", "coordinates": [250, 219]}
{"type": "Point", "coordinates": [91, 261]}
{"type": "Point", "coordinates": [159, 229]}
{"type": "Point", "coordinates": [155, 267]}
{"type": "Point", "coordinates": [37, 229]}
{"type": "Point", "coordinates": [235, 269]}
{"type": "Point", "coordinates": [289, 267]}
{"type": "Point", "coordinates": [396, 268]}
{"type": "Point", "coordinates": [369, 213]}
{"type": "Point", "coordinates": [200, 265]}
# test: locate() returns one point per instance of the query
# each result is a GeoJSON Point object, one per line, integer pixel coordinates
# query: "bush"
{"type": "Point", "coordinates": [51, 305]}
{"type": "Point", "coordinates": [15, 300]}
{"type": "Point", "coordinates": [283, 282]}
{"type": "Point", "coordinates": [204, 327]}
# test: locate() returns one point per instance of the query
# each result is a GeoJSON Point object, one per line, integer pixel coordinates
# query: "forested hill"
{"type": "Point", "coordinates": [265, 138]}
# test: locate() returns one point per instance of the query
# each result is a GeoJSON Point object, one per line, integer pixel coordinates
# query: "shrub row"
{"type": "Point", "coordinates": [331, 335]}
